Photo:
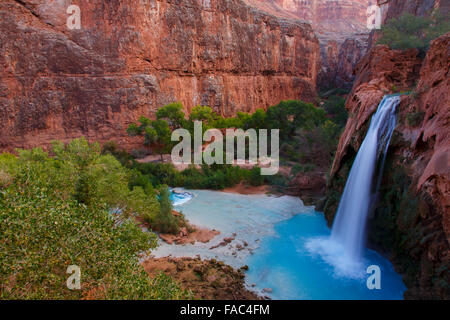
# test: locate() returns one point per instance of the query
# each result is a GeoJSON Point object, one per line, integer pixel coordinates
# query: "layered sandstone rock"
{"type": "Point", "coordinates": [341, 27]}
{"type": "Point", "coordinates": [337, 17]}
{"type": "Point", "coordinates": [380, 72]}
{"type": "Point", "coordinates": [338, 61]}
{"type": "Point", "coordinates": [412, 220]}
{"type": "Point", "coordinates": [130, 58]}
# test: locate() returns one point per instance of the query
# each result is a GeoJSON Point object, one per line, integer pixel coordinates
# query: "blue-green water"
{"type": "Point", "coordinates": [287, 264]}
{"type": "Point", "coordinates": [285, 244]}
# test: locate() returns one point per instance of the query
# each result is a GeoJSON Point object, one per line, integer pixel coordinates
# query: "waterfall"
{"type": "Point", "coordinates": [350, 222]}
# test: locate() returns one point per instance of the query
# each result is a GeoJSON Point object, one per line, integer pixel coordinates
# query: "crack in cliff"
{"type": "Point", "coordinates": [24, 5]}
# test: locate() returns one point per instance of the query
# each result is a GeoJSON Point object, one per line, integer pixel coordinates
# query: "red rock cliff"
{"type": "Point", "coordinates": [392, 9]}
{"type": "Point", "coordinates": [348, 16]}
{"type": "Point", "coordinates": [412, 220]}
{"type": "Point", "coordinates": [129, 58]}
{"type": "Point", "coordinates": [341, 27]}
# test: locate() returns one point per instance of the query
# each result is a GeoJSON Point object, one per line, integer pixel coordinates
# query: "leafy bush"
{"type": "Point", "coordinates": [254, 177]}
{"type": "Point", "coordinates": [308, 136]}
{"type": "Point", "coordinates": [156, 133]}
{"type": "Point", "coordinates": [335, 107]}
{"type": "Point", "coordinates": [165, 221]}
{"type": "Point", "coordinates": [409, 31]}
{"type": "Point", "coordinates": [50, 222]}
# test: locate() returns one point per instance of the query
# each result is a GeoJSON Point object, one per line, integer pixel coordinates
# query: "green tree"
{"type": "Point", "coordinates": [173, 113]}
{"type": "Point", "coordinates": [202, 113]}
{"type": "Point", "coordinates": [257, 120]}
{"type": "Point", "coordinates": [163, 136]}
{"type": "Point", "coordinates": [165, 220]}
{"type": "Point", "coordinates": [45, 227]}
{"type": "Point", "coordinates": [156, 133]}
{"type": "Point", "coordinates": [288, 116]}
{"type": "Point", "coordinates": [335, 107]}
{"type": "Point", "coordinates": [82, 156]}
{"type": "Point", "coordinates": [317, 145]}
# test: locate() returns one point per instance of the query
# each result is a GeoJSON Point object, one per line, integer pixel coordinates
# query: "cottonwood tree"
{"type": "Point", "coordinates": [156, 133]}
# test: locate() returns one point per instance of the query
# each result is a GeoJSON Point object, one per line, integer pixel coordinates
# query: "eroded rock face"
{"type": "Point", "coordinates": [433, 100]}
{"type": "Point", "coordinates": [130, 58]}
{"type": "Point", "coordinates": [411, 222]}
{"type": "Point", "coordinates": [343, 16]}
{"type": "Point", "coordinates": [338, 61]}
{"type": "Point", "coordinates": [380, 72]}
{"type": "Point", "coordinates": [341, 27]}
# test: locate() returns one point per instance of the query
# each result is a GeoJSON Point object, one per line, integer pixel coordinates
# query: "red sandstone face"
{"type": "Point", "coordinates": [336, 16]}
{"type": "Point", "coordinates": [377, 73]}
{"type": "Point", "coordinates": [340, 25]}
{"type": "Point", "coordinates": [130, 58]}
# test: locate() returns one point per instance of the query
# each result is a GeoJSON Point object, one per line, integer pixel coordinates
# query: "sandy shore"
{"type": "Point", "coordinates": [246, 189]}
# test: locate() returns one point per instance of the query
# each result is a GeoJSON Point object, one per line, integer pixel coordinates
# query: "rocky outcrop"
{"type": "Point", "coordinates": [206, 279]}
{"type": "Point", "coordinates": [338, 61]}
{"type": "Point", "coordinates": [411, 222]}
{"type": "Point", "coordinates": [380, 72]}
{"type": "Point", "coordinates": [130, 58]}
{"type": "Point", "coordinates": [310, 186]}
{"type": "Point", "coordinates": [341, 27]}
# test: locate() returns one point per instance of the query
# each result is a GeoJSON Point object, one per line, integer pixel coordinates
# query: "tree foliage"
{"type": "Point", "coordinates": [156, 133]}
{"type": "Point", "coordinates": [167, 223]}
{"type": "Point", "coordinates": [173, 113]}
{"type": "Point", "coordinates": [49, 222]}
{"type": "Point", "coordinates": [410, 31]}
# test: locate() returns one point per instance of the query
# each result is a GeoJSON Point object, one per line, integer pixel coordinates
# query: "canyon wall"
{"type": "Point", "coordinates": [411, 222]}
{"type": "Point", "coordinates": [339, 59]}
{"type": "Point", "coordinates": [392, 9]}
{"type": "Point", "coordinates": [131, 57]}
{"type": "Point", "coordinates": [395, 8]}
{"type": "Point", "coordinates": [341, 27]}
{"type": "Point", "coordinates": [343, 16]}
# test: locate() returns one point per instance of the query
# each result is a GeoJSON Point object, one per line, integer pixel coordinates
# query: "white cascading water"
{"type": "Point", "coordinates": [350, 222]}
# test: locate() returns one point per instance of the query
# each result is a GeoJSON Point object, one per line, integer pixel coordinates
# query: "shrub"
{"type": "Point", "coordinates": [254, 177]}
{"type": "Point", "coordinates": [165, 221]}
{"type": "Point", "coordinates": [409, 31]}
{"type": "Point", "coordinates": [335, 107]}
{"type": "Point", "coordinates": [45, 229]}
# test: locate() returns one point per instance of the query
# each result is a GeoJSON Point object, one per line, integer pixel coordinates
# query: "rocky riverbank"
{"type": "Point", "coordinates": [207, 279]}
{"type": "Point", "coordinates": [185, 236]}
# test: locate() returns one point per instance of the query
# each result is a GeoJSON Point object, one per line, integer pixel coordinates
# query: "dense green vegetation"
{"type": "Point", "coordinates": [308, 139]}
{"type": "Point", "coordinates": [79, 205]}
{"type": "Point", "coordinates": [165, 220]}
{"type": "Point", "coordinates": [75, 208]}
{"type": "Point", "coordinates": [410, 31]}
